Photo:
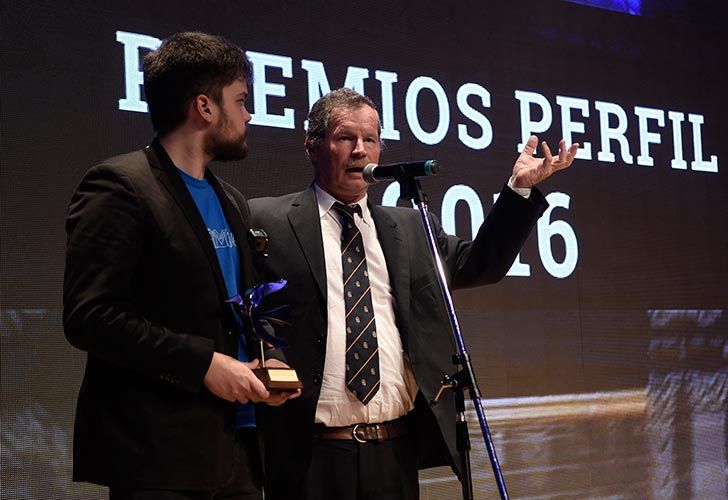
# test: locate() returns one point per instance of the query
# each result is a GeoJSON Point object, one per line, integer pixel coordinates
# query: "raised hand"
{"type": "Point", "coordinates": [530, 170]}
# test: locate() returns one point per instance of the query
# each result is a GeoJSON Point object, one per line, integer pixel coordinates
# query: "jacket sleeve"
{"type": "Point", "coordinates": [105, 235]}
{"type": "Point", "coordinates": [490, 255]}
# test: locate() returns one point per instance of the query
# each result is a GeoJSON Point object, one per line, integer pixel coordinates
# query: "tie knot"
{"type": "Point", "coordinates": [348, 210]}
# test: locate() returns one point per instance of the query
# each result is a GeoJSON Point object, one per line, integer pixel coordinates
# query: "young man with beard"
{"type": "Point", "coordinates": [156, 244]}
{"type": "Point", "coordinates": [370, 335]}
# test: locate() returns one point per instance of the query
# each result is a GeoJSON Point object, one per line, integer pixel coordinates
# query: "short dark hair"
{"type": "Point", "coordinates": [184, 66]}
{"type": "Point", "coordinates": [320, 114]}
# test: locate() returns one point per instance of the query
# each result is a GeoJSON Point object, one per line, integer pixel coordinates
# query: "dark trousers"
{"type": "Point", "coordinates": [347, 470]}
{"type": "Point", "coordinates": [245, 483]}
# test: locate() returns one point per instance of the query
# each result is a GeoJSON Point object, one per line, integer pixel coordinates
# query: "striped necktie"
{"type": "Point", "coordinates": [362, 351]}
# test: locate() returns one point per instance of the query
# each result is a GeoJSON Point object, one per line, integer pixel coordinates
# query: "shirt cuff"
{"type": "Point", "coordinates": [525, 192]}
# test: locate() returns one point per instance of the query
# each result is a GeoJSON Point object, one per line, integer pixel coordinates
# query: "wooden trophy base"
{"type": "Point", "coordinates": [278, 379]}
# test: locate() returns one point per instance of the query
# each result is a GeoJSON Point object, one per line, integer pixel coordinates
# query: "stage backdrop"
{"type": "Point", "coordinates": [602, 356]}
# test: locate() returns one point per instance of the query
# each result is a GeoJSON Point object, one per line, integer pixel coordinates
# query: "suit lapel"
{"type": "Point", "coordinates": [396, 254]}
{"type": "Point", "coordinates": [172, 181]}
{"type": "Point", "coordinates": [306, 226]}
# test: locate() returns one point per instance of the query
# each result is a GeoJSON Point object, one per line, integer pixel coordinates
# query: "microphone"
{"type": "Point", "coordinates": [374, 173]}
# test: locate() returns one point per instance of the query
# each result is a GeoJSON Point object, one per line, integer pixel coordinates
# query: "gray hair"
{"type": "Point", "coordinates": [320, 114]}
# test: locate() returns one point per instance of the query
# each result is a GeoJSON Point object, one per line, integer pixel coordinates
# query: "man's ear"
{"type": "Point", "coordinates": [310, 151]}
{"type": "Point", "coordinates": [203, 107]}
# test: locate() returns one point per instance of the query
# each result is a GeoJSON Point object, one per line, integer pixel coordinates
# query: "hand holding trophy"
{"type": "Point", "coordinates": [249, 306]}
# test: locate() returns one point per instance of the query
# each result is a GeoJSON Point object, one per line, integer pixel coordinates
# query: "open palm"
{"type": "Point", "coordinates": [530, 170]}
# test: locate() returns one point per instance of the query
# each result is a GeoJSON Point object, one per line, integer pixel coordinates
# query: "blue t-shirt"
{"type": "Point", "coordinates": [227, 254]}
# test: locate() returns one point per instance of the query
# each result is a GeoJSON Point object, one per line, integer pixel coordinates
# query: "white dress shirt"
{"type": "Point", "coordinates": [337, 406]}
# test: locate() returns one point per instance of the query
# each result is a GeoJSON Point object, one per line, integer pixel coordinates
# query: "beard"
{"type": "Point", "coordinates": [223, 148]}
{"type": "Point", "coordinates": [229, 150]}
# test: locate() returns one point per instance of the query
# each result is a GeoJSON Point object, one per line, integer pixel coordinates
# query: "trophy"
{"type": "Point", "coordinates": [249, 306]}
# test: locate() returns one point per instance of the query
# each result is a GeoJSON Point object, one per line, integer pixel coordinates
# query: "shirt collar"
{"type": "Point", "coordinates": [326, 201]}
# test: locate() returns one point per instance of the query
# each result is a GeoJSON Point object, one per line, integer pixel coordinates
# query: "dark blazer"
{"type": "Point", "coordinates": [296, 254]}
{"type": "Point", "coordinates": [144, 296]}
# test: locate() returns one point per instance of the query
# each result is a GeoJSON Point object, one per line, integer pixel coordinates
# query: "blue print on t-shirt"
{"type": "Point", "coordinates": [227, 254]}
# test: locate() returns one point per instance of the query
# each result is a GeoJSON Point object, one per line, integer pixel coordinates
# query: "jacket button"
{"type": "Point", "coordinates": [316, 378]}
{"type": "Point", "coordinates": [320, 339]}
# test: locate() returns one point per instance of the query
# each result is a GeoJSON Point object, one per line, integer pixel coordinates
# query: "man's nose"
{"type": "Point", "coordinates": [359, 149]}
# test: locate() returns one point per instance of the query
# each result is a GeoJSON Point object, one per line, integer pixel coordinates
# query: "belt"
{"type": "Point", "coordinates": [364, 433]}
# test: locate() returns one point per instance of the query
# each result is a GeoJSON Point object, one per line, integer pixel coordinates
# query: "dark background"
{"type": "Point", "coordinates": [651, 240]}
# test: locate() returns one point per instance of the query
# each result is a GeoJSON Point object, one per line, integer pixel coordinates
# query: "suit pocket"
{"type": "Point", "coordinates": [424, 281]}
{"type": "Point", "coordinates": [426, 297]}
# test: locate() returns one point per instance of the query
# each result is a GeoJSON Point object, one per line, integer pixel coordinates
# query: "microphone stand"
{"type": "Point", "coordinates": [410, 189]}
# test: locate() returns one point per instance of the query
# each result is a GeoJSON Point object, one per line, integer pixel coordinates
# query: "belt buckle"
{"type": "Point", "coordinates": [355, 435]}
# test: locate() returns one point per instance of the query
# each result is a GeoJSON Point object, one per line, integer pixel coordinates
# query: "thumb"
{"type": "Point", "coordinates": [258, 389]}
{"type": "Point", "coordinates": [253, 364]}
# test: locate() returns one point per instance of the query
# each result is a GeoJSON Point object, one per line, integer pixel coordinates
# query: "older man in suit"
{"type": "Point", "coordinates": [370, 335]}
{"type": "Point", "coordinates": [156, 244]}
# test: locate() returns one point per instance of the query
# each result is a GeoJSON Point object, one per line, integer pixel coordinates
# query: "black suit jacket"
{"type": "Point", "coordinates": [144, 296]}
{"type": "Point", "coordinates": [296, 254]}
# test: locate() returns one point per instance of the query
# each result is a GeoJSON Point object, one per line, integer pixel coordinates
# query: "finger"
{"type": "Point", "coordinates": [252, 364]}
{"type": "Point", "coordinates": [546, 153]}
{"type": "Point", "coordinates": [530, 146]}
{"type": "Point", "coordinates": [563, 152]}
{"type": "Point", "coordinates": [275, 363]}
{"type": "Point", "coordinates": [286, 395]}
{"type": "Point", "coordinates": [570, 155]}
{"type": "Point", "coordinates": [258, 390]}
{"type": "Point", "coordinates": [572, 151]}
{"type": "Point", "coordinates": [277, 399]}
